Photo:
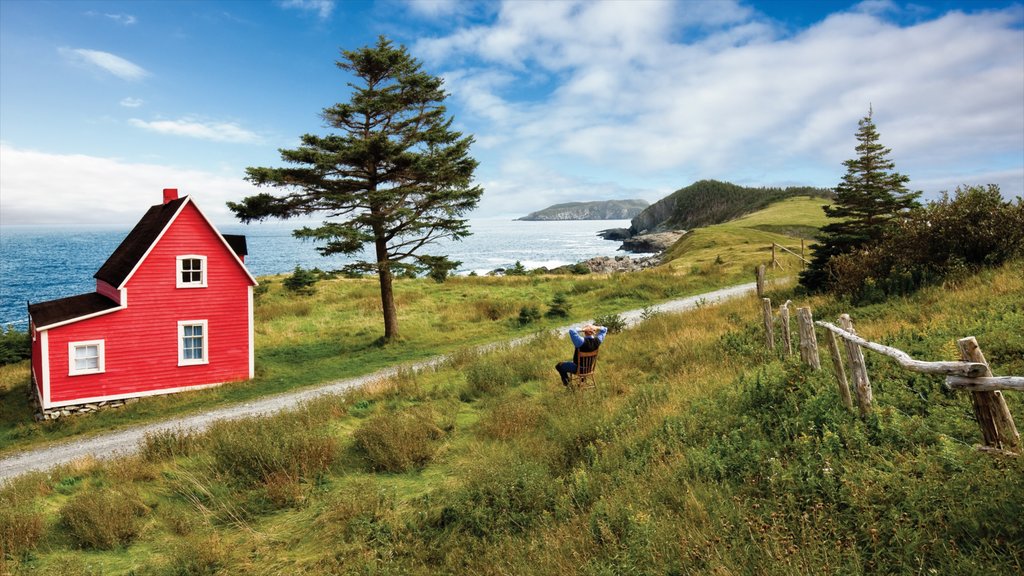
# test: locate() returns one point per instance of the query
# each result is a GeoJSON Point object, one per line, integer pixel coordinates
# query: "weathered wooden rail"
{"type": "Point", "coordinates": [971, 373]}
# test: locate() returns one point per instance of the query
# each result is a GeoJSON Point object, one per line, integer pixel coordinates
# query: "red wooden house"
{"type": "Point", "coordinates": [172, 311]}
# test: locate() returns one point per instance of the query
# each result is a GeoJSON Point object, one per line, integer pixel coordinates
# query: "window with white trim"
{"type": "Point", "coordinates": [85, 358]}
{"type": "Point", "coordinates": [193, 342]}
{"type": "Point", "coordinates": [191, 271]}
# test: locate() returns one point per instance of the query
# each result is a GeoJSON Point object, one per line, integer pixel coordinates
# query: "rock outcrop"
{"type": "Point", "coordinates": [608, 264]}
{"type": "Point", "coordinates": [652, 243]}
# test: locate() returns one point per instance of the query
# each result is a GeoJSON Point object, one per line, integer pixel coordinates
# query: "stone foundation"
{"type": "Point", "coordinates": [73, 410]}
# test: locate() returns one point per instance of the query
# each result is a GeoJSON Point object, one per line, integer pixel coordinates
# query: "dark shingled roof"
{"type": "Point", "coordinates": [237, 243]}
{"type": "Point", "coordinates": [54, 311]}
{"type": "Point", "coordinates": [134, 246]}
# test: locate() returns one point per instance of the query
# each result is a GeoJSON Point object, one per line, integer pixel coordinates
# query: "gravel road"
{"type": "Point", "coordinates": [127, 441]}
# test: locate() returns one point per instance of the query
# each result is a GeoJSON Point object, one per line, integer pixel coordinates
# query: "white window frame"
{"type": "Point", "coordinates": [100, 358]}
{"type": "Point", "coordinates": [178, 271]}
{"type": "Point", "coordinates": [182, 361]}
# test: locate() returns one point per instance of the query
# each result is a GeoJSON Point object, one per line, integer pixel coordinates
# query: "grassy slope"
{"type": "Point", "coordinates": [701, 452]}
{"type": "Point", "coordinates": [303, 341]}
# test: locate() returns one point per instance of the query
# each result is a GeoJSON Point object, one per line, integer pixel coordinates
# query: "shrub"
{"type": "Point", "coordinates": [15, 345]}
{"type": "Point", "coordinates": [503, 494]}
{"type": "Point", "coordinates": [399, 442]}
{"type": "Point", "coordinates": [166, 444]}
{"type": "Point", "coordinates": [947, 239]}
{"type": "Point", "coordinates": [528, 314]}
{"type": "Point", "coordinates": [517, 269]}
{"type": "Point", "coordinates": [301, 281]}
{"type": "Point", "coordinates": [559, 306]}
{"type": "Point", "coordinates": [437, 267]}
{"type": "Point", "coordinates": [613, 322]}
{"type": "Point", "coordinates": [103, 519]}
{"type": "Point", "coordinates": [255, 451]}
{"type": "Point", "coordinates": [511, 418]}
{"type": "Point", "coordinates": [21, 527]}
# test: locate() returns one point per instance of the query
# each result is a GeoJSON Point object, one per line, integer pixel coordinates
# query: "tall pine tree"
{"type": "Point", "coordinates": [871, 195]}
{"type": "Point", "coordinates": [395, 177]}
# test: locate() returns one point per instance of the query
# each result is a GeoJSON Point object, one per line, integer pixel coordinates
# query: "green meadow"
{"type": "Point", "coordinates": [700, 452]}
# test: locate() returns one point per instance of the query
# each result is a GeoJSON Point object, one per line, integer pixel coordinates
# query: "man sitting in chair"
{"type": "Point", "coordinates": [588, 342]}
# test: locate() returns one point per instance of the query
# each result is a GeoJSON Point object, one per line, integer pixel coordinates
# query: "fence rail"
{"type": "Point", "coordinates": [971, 373]}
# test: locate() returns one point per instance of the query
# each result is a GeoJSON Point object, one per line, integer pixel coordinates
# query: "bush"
{"type": "Point", "coordinates": [399, 442]}
{"type": "Point", "coordinates": [255, 451]}
{"type": "Point", "coordinates": [15, 345]}
{"type": "Point", "coordinates": [21, 527]}
{"type": "Point", "coordinates": [559, 306]}
{"type": "Point", "coordinates": [103, 519]}
{"type": "Point", "coordinates": [438, 268]}
{"type": "Point", "coordinates": [528, 314]}
{"type": "Point", "coordinates": [504, 494]}
{"type": "Point", "coordinates": [167, 444]}
{"type": "Point", "coordinates": [946, 239]}
{"type": "Point", "coordinates": [517, 269]}
{"type": "Point", "coordinates": [615, 323]}
{"type": "Point", "coordinates": [301, 281]}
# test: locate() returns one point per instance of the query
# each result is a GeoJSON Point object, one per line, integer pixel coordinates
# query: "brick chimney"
{"type": "Point", "coordinates": [170, 194]}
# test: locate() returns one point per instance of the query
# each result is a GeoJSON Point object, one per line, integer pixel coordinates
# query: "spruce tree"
{"type": "Point", "coordinates": [394, 177]}
{"type": "Point", "coordinates": [867, 200]}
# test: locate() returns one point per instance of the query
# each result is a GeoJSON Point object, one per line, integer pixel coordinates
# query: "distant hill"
{"type": "Point", "coordinates": [710, 202]}
{"type": "Point", "coordinates": [597, 210]}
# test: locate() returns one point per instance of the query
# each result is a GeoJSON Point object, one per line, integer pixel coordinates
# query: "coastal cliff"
{"type": "Point", "coordinates": [597, 210]}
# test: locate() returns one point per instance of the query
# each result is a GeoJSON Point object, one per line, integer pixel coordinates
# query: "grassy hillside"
{"type": "Point", "coordinates": [700, 453]}
{"type": "Point", "coordinates": [710, 202]}
{"type": "Point", "coordinates": [738, 246]}
{"type": "Point", "coordinates": [333, 334]}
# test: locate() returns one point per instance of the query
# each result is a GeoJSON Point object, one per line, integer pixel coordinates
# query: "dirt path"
{"type": "Point", "coordinates": [127, 441]}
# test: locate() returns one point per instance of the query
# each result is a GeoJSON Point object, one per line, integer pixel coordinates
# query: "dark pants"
{"type": "Point", "coordinates": [565, 369]}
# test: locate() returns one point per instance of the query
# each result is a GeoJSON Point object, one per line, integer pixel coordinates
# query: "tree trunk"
{"type": "Point", "coordinates": [387, 294]}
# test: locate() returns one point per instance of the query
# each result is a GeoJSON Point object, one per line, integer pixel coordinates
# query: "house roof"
{"type": "Point", "coordinates": [135, 245]}
{"type": "Point", "coordinates": [237, 243]}
{"type": "Point", "coordinates": [123, 262]}
{"type": "Point", "coordinates": [55, 311]}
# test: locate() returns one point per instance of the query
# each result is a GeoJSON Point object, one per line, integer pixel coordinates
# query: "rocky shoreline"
{"type": "Point", "coordinates": [652, 246]}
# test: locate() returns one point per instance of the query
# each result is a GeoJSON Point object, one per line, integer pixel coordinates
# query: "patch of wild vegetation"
{"type": "Point", "coordinates": [700, 452]}
{"type": "Point", "coordinates": [331, 329]}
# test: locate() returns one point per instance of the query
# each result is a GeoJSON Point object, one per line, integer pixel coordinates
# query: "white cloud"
{"type": "Point", "coordinates": [106, 61]}
{"type": "Point", "coordinates": [125, 19]}
{"type": "Point", "coordinates": [323, 8]}
{"type": "Point", "coordinates": [650, 89]}
{"type": "Point", "coordinates": [213, 131]}
{"type": "Point", "coordinates": [45, 188]}
{"type": "Point", "coordinates": [130, 102]}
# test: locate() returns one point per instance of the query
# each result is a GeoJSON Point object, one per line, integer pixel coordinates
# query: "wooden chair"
{"type": "Point", "coordinates": [585, 377]}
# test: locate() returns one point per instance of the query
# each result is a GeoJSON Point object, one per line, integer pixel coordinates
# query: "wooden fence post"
{"type": "Point", "coordinates": [759, 273]}
{"type": "Point", "coordinates": [857, 368]}
{"type": "Point", "coordinates": [808, 339]}
{"type": "Point", "coordinates": [837, 364]}
{"type": "Point", "coordinates": [994, 418]}
{"type": "Point", "coordinates": [769, 330]}
{"type": "Point", "coordinates": [786, 336]}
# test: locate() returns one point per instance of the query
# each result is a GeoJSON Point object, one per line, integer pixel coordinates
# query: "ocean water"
{"type": "Point", "coordinates": [40, 263]}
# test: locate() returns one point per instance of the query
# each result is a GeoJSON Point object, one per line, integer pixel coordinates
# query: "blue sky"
{"type": "Point", "coordinates": [103, 104]}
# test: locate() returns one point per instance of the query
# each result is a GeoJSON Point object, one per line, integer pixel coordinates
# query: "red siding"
{"type": "Point", "coordinates": [37, 358]}
{"type": "Point", "coordinates": [141, 341]}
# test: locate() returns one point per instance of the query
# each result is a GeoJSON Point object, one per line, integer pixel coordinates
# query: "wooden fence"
{"type": "Point", "coordinates": [971, 373]}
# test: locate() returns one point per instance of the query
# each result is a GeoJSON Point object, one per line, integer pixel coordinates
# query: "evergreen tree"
{"type": "Point", "coordinates": [869, 197]}
{"type": "Point", "coordinates": [395, 177]}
